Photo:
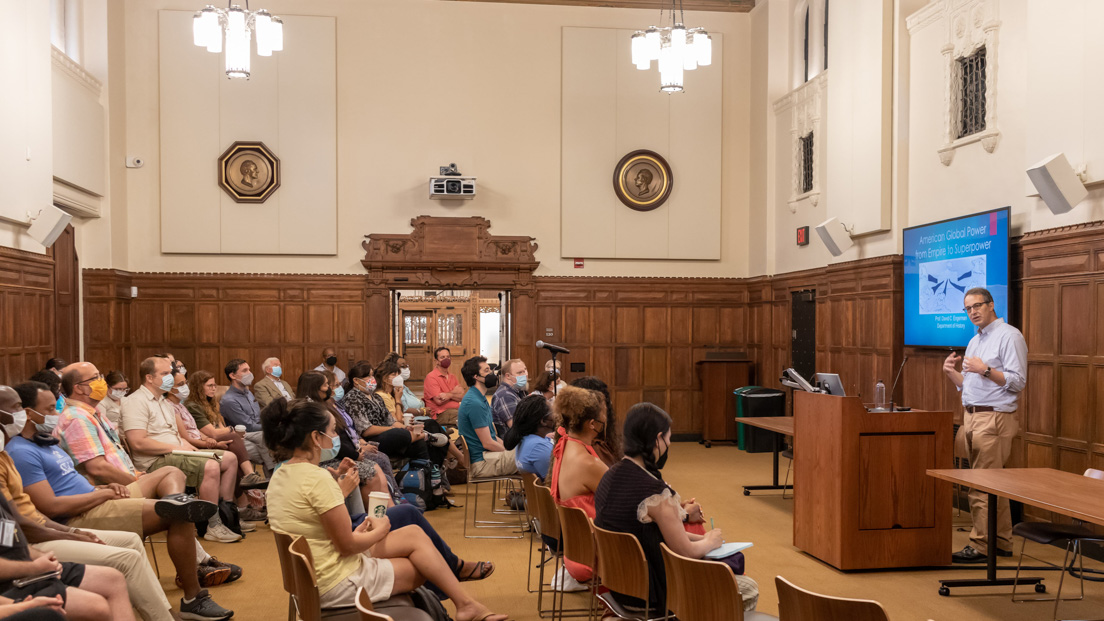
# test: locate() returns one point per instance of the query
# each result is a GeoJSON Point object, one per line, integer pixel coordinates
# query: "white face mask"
{"type": "Point", "coordinates": [397, 381]}
{"type": "Point", "coordinates": [118, 394]}
{"type": "Point", "coordinates": [247, 379]}
{"type": "Point", "coordinates": [405, 373]}
{"type": "Point", "coordinates": [19, 421]}
{"type": "Point", "coordinates": [183, 391]}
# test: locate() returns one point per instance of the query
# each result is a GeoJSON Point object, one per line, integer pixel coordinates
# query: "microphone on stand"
{"type": "Point", "coordinates": [555, 349]}
{"type": "Point", "coordinates": [893, 391]}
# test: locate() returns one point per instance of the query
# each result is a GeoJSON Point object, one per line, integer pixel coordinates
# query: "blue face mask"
{"type": "Point", "coordinates": [60, 405]}
{"type": "Point", "coordinates": [522, 381]}
{"type": "Point", "coordinates": [167, 383]}
{"type": "Point", "coordinates": [277, 371]}
{"type": "Point", "coordinates": [331, 453]}
{"type": "Point", "coordinates": [338, 393]}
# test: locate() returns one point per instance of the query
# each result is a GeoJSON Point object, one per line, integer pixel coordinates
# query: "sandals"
{"type": "Point", "coordinates": [481, 570]}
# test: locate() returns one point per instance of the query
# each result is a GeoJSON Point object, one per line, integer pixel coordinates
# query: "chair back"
{"type": "Point", "coordinates": [283, 542]}
{"type": "Point", "coordinates": [621, 566]}
{"type": "Point", "coordinates": [307, 599]}
{"type": "Point", "coordinates": [464, 451]}
{"type": "Point", "coordinates": [546, 512]}
{"type": "Point", "coordinates": [1093, 473]}
{"type": "Point", "coordinates": [578, 540]}
{"type": "Point", "coordinates": [797, 604]}
{"type": "Point", "coordinates": [699, 590]}
{"type": "Point", "coordinates": [364, 607]}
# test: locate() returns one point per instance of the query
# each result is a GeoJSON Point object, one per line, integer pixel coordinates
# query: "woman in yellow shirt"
{"type": "Point", "coordinates": [304, 499]}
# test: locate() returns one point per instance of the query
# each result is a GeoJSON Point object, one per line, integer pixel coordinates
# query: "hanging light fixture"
{"type": "Point", "coordinates": [676, 48]}
{"type": "Point", "coordinates": [235, 26]}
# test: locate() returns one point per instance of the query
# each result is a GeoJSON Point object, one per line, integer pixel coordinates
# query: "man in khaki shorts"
{"type": "Point", "coordinates": [149, 421]}
{"type": "Point", "coordinates": [62, 494]}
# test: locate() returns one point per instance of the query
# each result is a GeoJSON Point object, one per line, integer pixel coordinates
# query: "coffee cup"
{"type": "Point", "coordinates": [377, 504]}
{"type": "Point", "coordinates": [408, 419]}
{"type": "Point", "coordinates": [240, 429]}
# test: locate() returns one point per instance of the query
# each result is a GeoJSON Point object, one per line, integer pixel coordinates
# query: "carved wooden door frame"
{"type": "Point", "coordinates": [449, 253]}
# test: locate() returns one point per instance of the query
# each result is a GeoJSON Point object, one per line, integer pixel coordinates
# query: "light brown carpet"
{"type": "Point", "coordinates": [714, 476]}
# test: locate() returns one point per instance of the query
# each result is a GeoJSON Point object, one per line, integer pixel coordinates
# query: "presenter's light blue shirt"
{"type": "Point", "coordinates": [1003, 348]}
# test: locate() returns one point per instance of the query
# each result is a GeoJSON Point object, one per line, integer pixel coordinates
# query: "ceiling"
{"type": "Point", "coordinates": [734, 6]}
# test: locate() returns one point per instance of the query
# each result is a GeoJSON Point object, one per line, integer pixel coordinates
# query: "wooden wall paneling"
{"type": "Point", "coordinates": [28, 336]}
{"type": "Point", "coordinates": [66, 302]}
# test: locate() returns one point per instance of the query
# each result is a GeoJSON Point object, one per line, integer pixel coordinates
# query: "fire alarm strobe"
{"type": "Point", "coordinates": [451, 185]}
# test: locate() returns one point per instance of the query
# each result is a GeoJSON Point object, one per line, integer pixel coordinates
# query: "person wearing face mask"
{"type": "Point", "coordinates": [409, 401]}
{"type": "Point", "coordinates": [150, 424]}
{"type": "Point", "coordinates": [306, 500]}
{"type": "Point", "coordinates": [374, 420]}
{"type": "Point", "coordinates": [54, 382]}
{"type": "Point", "coordinates": [557, 373]}
{"type": "Point", "coordinates": [488, 455]}
{"type": "Point", "coordinates": [442, 390]}
{"type": "Point", "coordinates": [329, 363]}
{"type": "Point", "coordinates": [514, 378]}
{"type": "Point", "coordinates": [111, 406]}
{"type": "Point", "coordinates": [633, 498]}
{"type": "Point", "coordinates": [272, 386]}
{"type": "Point", "coordinates": [239, 407]}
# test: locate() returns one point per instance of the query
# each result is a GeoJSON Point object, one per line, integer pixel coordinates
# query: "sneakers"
{"type": "Point", "coordinates": [211, 575]}
{"type": "Point", "coordinates": [253, 481]}
{"type": "Point", "coordinates": [249, 514]}
{"type": "Point", "coordinates": [970, 555]}
{"type": "Point", "coordinates": [203, 608]}
{"type": "Point", "coordinates": [214, 563]}
{"type": "Point", "coordinates": [184, 508]}
{"type": "Point", "coordinates": [246, 527]}
{"type": "Point", "coordinates": [436, 439]}
{"type": "Point", "coordinates": [217, 531]}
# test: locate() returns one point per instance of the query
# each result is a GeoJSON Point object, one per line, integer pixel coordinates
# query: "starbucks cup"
{"type": "Point", "coordinates": [377, 504]}
{"type": "Point", "coordinates": [408, 419]}
{"type": "Point", "coordinates": [240, 429]}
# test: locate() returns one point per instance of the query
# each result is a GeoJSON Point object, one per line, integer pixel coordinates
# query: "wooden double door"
{"type": "Point", "coordinates": [427, 326]}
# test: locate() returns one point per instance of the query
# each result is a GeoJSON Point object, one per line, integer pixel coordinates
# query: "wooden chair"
{"type": "Point", "coordinates": [1048, 533]}
{"type": "Point", "coordinates": [471, 491]}
{"type": "Point", "coordinates": [364, 607]}
{"type": "Point", "coordinates": [307, 599]}
{"type": "Point", "coordinates": [797, 604]}
{"type": "Point", "coordinates": [287, 570]}
{"type": "Point", "coordinates": [700, 590]}
{"type": "Point", "coordinates": [528, 481]}
{"type": "Point", "coordinates": [578, 545]}
{"type": "Point", "coordinates": [622, 567]}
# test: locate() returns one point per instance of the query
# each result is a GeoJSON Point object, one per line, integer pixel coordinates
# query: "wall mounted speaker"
{"type": "Point", "coordinates": [48, 226]}
{"type": "Point", "coordinates": [1057, 183]}
{"type": "Point", "coordinates": [835, 236]}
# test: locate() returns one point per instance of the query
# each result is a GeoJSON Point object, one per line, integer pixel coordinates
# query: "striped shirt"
{"type": "Point", "coordinates": [85, 435]}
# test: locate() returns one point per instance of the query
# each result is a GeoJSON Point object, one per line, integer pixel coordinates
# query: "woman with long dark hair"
{"type": "Point", "coordinates": [306, 500]}
{"type": "Point", "coordinates": [633, 498]}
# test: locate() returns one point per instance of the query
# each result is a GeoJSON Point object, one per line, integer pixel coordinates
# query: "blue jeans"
{"type": "Point", "coordinates": [406, 515]}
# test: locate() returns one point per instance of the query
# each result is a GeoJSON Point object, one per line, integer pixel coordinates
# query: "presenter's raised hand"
{"type": "Point", "coordinates": [950, 364]}
{"type": "Point", "coordinates": [973, 365]}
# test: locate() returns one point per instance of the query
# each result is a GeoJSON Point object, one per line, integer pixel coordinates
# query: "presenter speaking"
{"type": "Point", "coordinates": [994, 371]}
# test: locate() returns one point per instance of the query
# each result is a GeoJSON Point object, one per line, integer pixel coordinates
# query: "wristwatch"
{"type": "Point", "coordinates": [988, 370]}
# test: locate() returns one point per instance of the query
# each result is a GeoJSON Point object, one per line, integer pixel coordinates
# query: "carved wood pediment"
{"type": "Point", "coordinates": [450, 252]}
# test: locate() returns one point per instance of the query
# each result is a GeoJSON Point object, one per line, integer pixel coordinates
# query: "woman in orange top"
{"type": "Point", "coordinates": [576, 468]}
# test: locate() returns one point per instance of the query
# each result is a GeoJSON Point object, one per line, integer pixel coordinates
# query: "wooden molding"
{"type": "Point", "coordinates": [729, 6]}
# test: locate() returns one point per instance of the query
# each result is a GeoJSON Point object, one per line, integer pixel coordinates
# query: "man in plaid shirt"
{"type": "Point", "coordinates": [511, 390]}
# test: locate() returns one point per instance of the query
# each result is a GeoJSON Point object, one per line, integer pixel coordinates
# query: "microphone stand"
{"type": "Point", "coordinates": [556, 371]}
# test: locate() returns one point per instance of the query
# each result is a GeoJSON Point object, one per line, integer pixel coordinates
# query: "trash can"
{"type": "Point", "coordinates": [754, 401]}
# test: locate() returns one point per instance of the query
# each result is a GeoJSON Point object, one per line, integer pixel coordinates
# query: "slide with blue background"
{"type": "Point", "coordinates": [943, 261]}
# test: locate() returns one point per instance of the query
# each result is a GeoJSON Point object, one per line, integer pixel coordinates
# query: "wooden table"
{"type": "Point", "coordinates": [1065, 493]}
{"type": "Point", "coordinates": [781, 426]}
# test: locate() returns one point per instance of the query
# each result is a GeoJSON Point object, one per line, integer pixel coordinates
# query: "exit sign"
{"type": "Point", "coordinates": [802, 236]}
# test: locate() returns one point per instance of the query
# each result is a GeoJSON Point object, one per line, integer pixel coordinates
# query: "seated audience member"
{"type": "Point", "coordinates": [149, 422]}
{"type": "Point", "coordinates": [306, 500]}
{"type": "Point", "coordinates": [608, 443]}
{"type": "Point", "coordinates": [314, 385]}
{"type": "Point", "coordinates": [557, 373]}
{"type": "Point", "coordinates": [54, 382]}
{"type": "Point", "coordinates": [55, 365]}
{"type": "Point", "coordinates": [389, 387]}
{"type": "Point", "coordinates": [410, 402]}
{"type": "Point", "coordinates": [62, 494]}
{"type": "Point", "coordinates": [121, 550]}
{"type": "Point", "coordinates": [511, 389]}
{"type": "Point", "coordinates": [204, 409]}
{"type": "Point", "coordinates": [528, 436]}
{"type": "Point", "coordinates": [177, 365]}
{"type": "Point", "coordinates": [543, 385]}
{"type": "Point", "coordinates": [442, 390]}
{"type": "Point", "coordinates": [346, 425]}
{"type": "Point", "coordinates": [633, 498]}
{"type": "Point", "coordinates": [375, 422]}
{"type": "Point", "coordinates": [488, 456]}
{"type": "Point", "coordinates": [576, 467]}
{"type": "Point", "coordinates": [111, 407]}
{"type": "Point", "coordinates": [239, 407]}
{"type": "Point", "coordinates": [272, 386]}
{"type": "Point", "coordinates": [329, 363]}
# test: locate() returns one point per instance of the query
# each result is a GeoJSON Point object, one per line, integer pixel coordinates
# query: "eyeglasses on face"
{"type": "Point", "coordinates": [974, 307]}
{"type": "Point", "coordinates": [92, 379]}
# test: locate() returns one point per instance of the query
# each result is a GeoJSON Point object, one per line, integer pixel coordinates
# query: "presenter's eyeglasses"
{"type": "Point", "coordinates": [974, 307]}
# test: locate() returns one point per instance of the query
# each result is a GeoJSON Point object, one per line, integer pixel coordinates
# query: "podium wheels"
{"type": "Point", "coordinates": [944, 591]}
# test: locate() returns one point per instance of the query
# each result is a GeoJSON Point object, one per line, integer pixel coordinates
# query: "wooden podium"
{"type": "Point", "coordinates": [862, 498]}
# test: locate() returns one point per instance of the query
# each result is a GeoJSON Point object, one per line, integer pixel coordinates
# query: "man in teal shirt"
{"type": "Point", "coordinates": [489, 458]}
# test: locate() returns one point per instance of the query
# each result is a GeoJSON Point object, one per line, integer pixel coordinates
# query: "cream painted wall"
{"type": "Point", "coordinates": [473, 83]}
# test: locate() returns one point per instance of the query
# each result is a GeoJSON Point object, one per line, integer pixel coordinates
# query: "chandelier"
{"type": "Point", "coordinates": [676, 48]}
{"type": "Point", "coordinates": [235, 26]}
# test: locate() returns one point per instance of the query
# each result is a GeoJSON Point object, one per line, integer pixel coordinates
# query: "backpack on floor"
{"type": "Point", "coordinates": [427, 600]}
{"type": "Point", "coordinates": [416, 484]}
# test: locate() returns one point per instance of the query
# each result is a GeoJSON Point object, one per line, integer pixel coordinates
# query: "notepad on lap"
{"type": "Point", "coordinates": [196, 454]}
{"type": "Point", "coordinates": [727, 549]}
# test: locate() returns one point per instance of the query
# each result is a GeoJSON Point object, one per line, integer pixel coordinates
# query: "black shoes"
{"type": "Point", "coordinates": [184, 508]}
{"type": "Point", "coordinates": [970, 555]}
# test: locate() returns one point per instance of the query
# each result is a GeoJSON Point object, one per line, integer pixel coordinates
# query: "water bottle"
{"type": "Point", "coordinates": [879, 396]}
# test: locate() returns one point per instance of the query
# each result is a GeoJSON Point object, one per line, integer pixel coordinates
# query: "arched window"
{"type": "Point", "coordinates": [806, 44]}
